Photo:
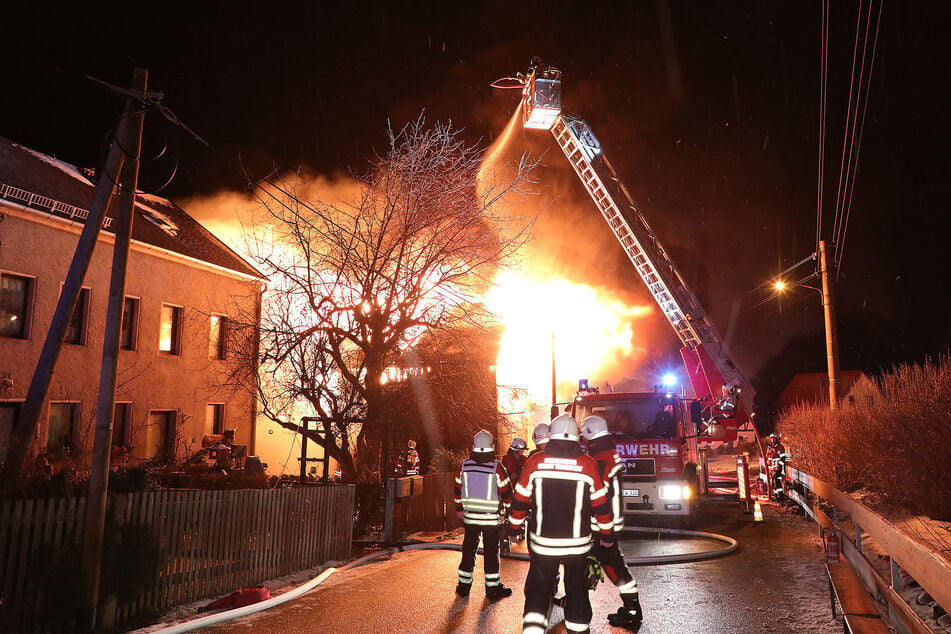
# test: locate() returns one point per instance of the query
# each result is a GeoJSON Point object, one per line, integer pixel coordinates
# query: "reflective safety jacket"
{"type": "Point", "coordinates": [483, 491]}
{"type": "Point", "coordinates": [604, 452]}
{"type": "Point", "coordinates": [564, 489]}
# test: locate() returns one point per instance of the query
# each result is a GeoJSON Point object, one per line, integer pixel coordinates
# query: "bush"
{"type": "Point", "coordinates": [896, 448]}
{"type": "Point", "coordinates": [445, 459]}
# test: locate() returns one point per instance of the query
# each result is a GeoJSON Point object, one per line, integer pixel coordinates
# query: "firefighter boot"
{"type": "Point", "coordinates": [462, 589]}
{"type": "Point", "coordinates": [498, 592]}
{"type": "Point", "coordinates": [628, 615]}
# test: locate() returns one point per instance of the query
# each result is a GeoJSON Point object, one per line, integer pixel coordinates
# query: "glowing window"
{"type": "Point", "coordinates": [170, 329]}
{"type": "Point", "coordinates": [15, 296]}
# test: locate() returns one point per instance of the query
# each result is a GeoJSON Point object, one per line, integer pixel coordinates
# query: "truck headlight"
{"type": "Point", "coordinates": [670, 492]}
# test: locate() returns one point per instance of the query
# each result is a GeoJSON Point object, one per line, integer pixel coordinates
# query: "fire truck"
{"type": "Point", "coordinates": [659, 433]}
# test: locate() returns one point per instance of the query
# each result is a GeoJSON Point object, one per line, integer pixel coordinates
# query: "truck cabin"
{"type": "Point", "coordinates": [637, 416]}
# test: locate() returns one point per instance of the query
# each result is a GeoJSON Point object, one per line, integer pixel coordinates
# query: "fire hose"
{"type": "Point", "coordinates": [655, 560]}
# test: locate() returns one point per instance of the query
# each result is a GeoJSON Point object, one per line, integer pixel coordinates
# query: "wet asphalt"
{"type": "Point", "coordinates": [775, 582]}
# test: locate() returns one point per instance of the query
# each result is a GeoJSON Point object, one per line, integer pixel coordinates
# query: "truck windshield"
{"type": "Point", "coordinates": [638, 419]}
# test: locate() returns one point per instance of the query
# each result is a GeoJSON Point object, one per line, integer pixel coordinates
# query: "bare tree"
{"type": "Point", "coordinates": [354, 283]}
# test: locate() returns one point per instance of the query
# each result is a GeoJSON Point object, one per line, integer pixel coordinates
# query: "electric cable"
{"type": "Point", "coordinates": [840, 242]}
{"type": "Point", "coordinates": [852, 123]}
{"type": "Point", "coordinates": [823, 100]}
{"type": "Point", "coordinates": [845, 137]}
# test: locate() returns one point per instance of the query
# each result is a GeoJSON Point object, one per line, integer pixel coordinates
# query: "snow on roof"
{"type": "Point", "coordinates": [160, 222]}
{"type": "Point", "coordinates": [66, 168]}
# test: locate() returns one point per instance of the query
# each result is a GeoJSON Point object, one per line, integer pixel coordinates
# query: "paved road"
{"type": "Point", "coordinates": [775, 582]}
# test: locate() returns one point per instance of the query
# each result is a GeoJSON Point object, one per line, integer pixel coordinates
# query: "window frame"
{"type": "Point", "coordinates": [170, 425]}
{"type": "Point", "coordinates": [17, 407]}
{"type": "Point", "coordinates": [218, 419]}
{"type": "Point", "coordinates": [175, 346]}
{"type": "Point", "coordinates": [28, 304]}
{"type": "Point", "coordinates": [127, 424]}
{"type": "Point", "coordinates": [218, 352]}
{"type": "Point", "coordinates": [84, 301]}
{"type": "Point", "coordinates": [75, 416]}
{"type": "Point", "coordinates": [133, 326]}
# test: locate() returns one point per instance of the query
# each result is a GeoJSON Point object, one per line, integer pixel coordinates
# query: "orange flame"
{"type": "Point", "coordinates": [588, 329]}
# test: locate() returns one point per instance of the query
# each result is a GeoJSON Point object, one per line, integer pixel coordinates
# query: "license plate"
{"type": "Point", "coordinates": [631, 493]}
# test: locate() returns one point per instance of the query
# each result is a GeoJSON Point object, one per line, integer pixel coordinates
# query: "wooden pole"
{"type": "Point", "coordinates": [832, 341]}
{"type": "Point", "coordinates": [25, 429]}
{"type": "Point", "coordinates": [102, 446]}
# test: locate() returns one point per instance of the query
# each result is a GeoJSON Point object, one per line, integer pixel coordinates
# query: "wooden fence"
{"type": "Point", "coordinates": [433, 509]}
{"type": "Point", "coordinates": [164, 548]}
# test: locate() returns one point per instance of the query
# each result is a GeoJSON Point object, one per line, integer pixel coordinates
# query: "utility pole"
{"type": "Point", "coordinates": [832, 341]}
{"type": "Point", "coordinates": [102, 446]}
{"type": "Point", "coordinates": [23, 433]}
{"type": "Point", "coordinates": [554, 388]}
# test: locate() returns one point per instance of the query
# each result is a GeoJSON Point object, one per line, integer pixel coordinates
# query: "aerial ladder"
{"type": "Point", "coordinates": [716, 379]}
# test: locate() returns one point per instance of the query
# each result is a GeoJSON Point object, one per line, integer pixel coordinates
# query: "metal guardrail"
{"type": "Point", "coordinates": [926, 566]}
{"type": "Point", "coordinates": [9, 192]}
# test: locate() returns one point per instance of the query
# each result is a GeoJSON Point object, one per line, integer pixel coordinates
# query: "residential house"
{"type": "Point", "coordinates": [855, 388]}
{"type": "Point", "coordinates": [184, 291]}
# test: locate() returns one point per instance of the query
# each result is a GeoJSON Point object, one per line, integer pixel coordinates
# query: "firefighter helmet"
{"type": "Point", "coordinates": [594, 427]}
{"type": "Point", "coordinates": [564, 427]}
{"type": "Point", "coordinates": [518, 444]}
{"type": "Point", "coordinates": [483, 441]}
{"type": "Point", "coordinates": [540, 435]}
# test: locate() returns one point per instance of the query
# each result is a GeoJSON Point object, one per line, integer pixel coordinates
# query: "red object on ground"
{"type": "Point", "coordinates": [239, 598]}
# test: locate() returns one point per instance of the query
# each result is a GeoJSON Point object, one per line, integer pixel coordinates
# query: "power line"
{"type": "Point", "coordinates": [840, 243]}
{"type": "Point", "coordinates": [823, 99]}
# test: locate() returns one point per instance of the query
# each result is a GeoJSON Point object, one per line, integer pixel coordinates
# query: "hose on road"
{"type": "Point", "coordinates": [653, 560]}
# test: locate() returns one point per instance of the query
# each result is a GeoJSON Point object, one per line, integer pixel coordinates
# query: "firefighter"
{"type": "Point", "coordinates": [412, 459]}
{"type": "Point", "coordinates": [540, 437]}
{"type": "Point", "coordinates": [483, 494]}
{"type": "Point", "coordinates": [776, 459]}
{"type": "Point", "coordinates": [564, 488]}
{"type": "Point", "coordinates": [514, 459]}
{"type": "Point", "coordinates": [601, 447]}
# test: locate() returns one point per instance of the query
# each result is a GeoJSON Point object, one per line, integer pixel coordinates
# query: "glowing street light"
{"type": "Point", "coordinates": [780, 286]}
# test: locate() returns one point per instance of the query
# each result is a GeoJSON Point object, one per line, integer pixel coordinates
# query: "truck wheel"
{"type": "Point", "coordinates": [690, 520]}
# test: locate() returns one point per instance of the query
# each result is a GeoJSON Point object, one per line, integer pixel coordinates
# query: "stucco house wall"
{"type": "Point", "coordinates": [39, 245]}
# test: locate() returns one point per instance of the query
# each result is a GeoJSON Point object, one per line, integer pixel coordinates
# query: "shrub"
{"type": "Point", "coordinates": [445, 459]}
{"type": "Point", "coordinates": [896, 448]}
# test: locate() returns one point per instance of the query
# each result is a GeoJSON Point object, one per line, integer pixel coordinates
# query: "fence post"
{"type": "Point", "coordinates": [389, 493]}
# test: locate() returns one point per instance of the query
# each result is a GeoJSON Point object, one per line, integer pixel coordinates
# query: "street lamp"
{"type": "Point", "coordinates": [832, 341]}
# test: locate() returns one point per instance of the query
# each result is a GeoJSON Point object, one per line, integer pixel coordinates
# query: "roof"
{"type": "Point", "coordinates": [813, 387]}
{"type": "Point", "coordinates": [51, 186]}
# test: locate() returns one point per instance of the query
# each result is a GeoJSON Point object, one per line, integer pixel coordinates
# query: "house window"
{"type": "Point", "coordinates": [214, 418]}
{"type": "Point", "coordinates": [9, 413]}
{"type": "Point", "coordinates": [130, 323]}
{"type": "Point", "coordinates": [851, 401]}
{"type": "Point", "coordinates": [15, 299]}
{"type": "Point", "coordinates": [159, 435]}
{"type": "Point", "coordinates": [170, 330]}
{"type": "Point", "coordinates": [76, 330]}
{"type": "Point", "coordinates": [217, 337]}
{"type": "Point", "coordinates": [120, 424]}
{"type": "Point", "coordinates": [62, 426]}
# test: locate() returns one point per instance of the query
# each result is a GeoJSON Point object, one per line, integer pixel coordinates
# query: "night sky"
{"type": "Point", "coordinates": [709, 112]}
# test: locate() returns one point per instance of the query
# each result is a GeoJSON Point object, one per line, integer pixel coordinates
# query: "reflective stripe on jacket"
{"type": "Point", "coordinates": [482, 492]}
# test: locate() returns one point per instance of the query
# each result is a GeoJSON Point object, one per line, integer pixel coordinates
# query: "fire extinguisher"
{"type": "Point", "coordinates": [831, 545]}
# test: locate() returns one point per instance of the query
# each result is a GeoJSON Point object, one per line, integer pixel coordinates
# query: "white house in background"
{"type": "Point", "coordinates": [184, 287]}
{"type": "Point", "coordinates": [855, 388]}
